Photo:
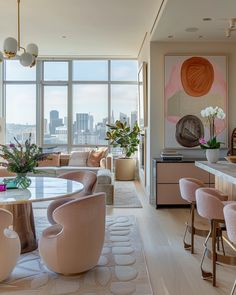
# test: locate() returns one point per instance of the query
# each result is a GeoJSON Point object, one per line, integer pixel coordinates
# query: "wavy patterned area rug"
{"type": "Point", "coordinates": [126, 195]}
{"type": "Point", "coordinates": [121, 269]}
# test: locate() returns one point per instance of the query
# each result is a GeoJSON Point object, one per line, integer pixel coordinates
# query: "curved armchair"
{"type": "Point", "coordinates": [9, 245]}
{"type": "Point", "coordinates": [74, 244]}
{"type": "Point", "coordinates": [87, 178]}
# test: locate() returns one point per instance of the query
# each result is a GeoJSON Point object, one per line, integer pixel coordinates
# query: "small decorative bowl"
{"type": "Point", "coordinates": [231, 159]}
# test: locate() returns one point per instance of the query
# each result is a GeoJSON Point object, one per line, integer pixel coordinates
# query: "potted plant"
{"type": "Point", "coordinates": [211, 146]}
{"type": "Point", "coordinates": [121, 135]}
{"type": "Point", "coordinates": [21, 159]}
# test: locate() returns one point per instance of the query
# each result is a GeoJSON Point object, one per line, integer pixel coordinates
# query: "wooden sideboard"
{"type": "Point", "coordinates": [166, 175]}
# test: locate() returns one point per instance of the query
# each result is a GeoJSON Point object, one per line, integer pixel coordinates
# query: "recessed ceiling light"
{"type": "Point", "coordinates": [191, 30]}
{"type": "Point", "coordinates": [207, 19]}
{"type": "Point", "coordinates": [170, 36]}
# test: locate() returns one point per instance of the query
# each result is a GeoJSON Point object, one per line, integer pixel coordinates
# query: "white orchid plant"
{"type": "Point", "coordinates": [210, 114]}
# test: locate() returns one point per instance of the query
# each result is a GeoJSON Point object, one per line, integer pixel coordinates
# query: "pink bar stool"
{"type": "Point", "coordinates": [230, 220]}
{"type": "Point", "coordinates": [188, 187]}
{"type": "Point", "coordinates": [210, 204]}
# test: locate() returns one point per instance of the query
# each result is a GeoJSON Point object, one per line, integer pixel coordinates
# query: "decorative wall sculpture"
{"type": "Point", "coordinates": [191, 84]}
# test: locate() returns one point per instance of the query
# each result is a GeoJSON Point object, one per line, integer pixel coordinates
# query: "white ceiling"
{"type": "Point", "coordinates": [177, 15]}
{"type": "Point", "coordinates": [91, 27]}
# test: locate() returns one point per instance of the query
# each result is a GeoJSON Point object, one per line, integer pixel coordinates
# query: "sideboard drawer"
{"type": "Point", "coordinates": [172, 172]}
{"type": "Point", "coordinates": [169, 195]}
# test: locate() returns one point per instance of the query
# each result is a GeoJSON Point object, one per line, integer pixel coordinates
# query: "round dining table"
{"type": "Point", "coordinates": [19, 203]}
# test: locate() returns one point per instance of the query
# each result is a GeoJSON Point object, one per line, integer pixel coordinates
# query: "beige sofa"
{"type": "Point", "coordinates": [58, 164]}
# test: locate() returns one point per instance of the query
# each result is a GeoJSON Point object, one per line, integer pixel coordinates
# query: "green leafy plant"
{"type": "Point", "coordinates": [21, 158]}
{"type": "Point", "coordinates": [121, 135]}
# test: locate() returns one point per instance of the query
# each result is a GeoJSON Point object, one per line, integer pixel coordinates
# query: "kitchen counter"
{"type": "Point", "coordinates": [225, 176]}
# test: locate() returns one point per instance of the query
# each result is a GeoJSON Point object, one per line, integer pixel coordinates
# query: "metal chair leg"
{"type": "Point", "coordinates": [206, 275]}
{"type": "Point", "coordinates": [192, 228]}
{"type": "Point", "coordinates": [233, 289]}
{"type": "Point", "coordinates": [214, 225]}
{"type": "Point", "coordinates": [186, 245]}
{"type": "Point", "coordinates": [222, 243]}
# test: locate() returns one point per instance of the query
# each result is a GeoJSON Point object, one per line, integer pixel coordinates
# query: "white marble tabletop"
{"type": "Point", "coordinates": [222, 169]}
{"type": "Point", "coordinates": [41, 189]}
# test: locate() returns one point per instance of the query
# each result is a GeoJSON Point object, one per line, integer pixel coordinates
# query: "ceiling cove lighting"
{"type": "Point", "coordinates": [12, 46]}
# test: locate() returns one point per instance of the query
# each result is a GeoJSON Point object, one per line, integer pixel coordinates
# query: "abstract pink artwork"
{"type": "Point", "coordinates": [191, 84]}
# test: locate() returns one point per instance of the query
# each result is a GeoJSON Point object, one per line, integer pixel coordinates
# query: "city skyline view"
{"type": "Point", "coordinates": [91, 100]}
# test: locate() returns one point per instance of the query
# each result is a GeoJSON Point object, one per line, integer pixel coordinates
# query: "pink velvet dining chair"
{"type": "Point", "coordinates": [73, 245]}
{"type": "Point", "coordinates": [230, 220]}
{"type": "Point", "coordinates": [87, 178]}
{"type": "Point", "coordinates": [188, 187]}
{"type": "Point", "coordinates": [10, 246]}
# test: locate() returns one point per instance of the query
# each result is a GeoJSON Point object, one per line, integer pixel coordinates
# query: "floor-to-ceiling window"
{"type": "Point", "coordinates": [66, 104]}
{"type": "Point", "coordinates": [20, 101]}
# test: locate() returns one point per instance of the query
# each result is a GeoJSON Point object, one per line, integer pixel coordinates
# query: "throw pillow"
{"type": "Point", "coordinates": [104, 150]}
{"type": "Point", "coordinates": [78, 159]}
{"type": "Point", "coordinates": [51, 160]}
{"type": "Point", "coordinates": [94, 158]}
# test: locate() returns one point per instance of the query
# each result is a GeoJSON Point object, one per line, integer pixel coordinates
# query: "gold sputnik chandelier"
{"type": "Point", "coordinates": [12, 48]}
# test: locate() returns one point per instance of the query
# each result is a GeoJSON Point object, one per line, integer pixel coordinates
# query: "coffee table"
{"type": "Point", "coordinates": [19, 202]}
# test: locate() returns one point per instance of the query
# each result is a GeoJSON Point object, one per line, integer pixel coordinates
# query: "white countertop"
{"type": "Point", "coordinates": [41, 189]}
{"type": "Point", "coordinates": [222, 169]}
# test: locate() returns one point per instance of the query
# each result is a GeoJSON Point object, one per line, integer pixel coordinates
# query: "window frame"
{"type": "Point", "coordinates": [40, 83]}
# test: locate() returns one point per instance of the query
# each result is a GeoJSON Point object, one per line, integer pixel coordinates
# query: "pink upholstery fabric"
{"type": "Point", "coordinates": [9, 245]}
{"type": "Point", "coordinates": [75, 243]}
{"type": "Point", "coordinates": [87, 178]}
{"type": "Point", "coordinates": [230, 220]}
{"type": "Point", "coordinates": [209, 203]}
{"type": "Point", "coordinates": [188, 187]}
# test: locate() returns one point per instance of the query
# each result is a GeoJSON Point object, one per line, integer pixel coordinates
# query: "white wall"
{"type": "Point", "coordinates": [145, 57]}
{"type": "Point", "coordinates": [156, 91]}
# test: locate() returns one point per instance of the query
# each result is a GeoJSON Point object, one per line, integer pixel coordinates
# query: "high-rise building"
{"type": "Point", "coordinates": [91, 122]}
{"type": "Point", "coordinates": [82, 122]}
{"type": "Point", "coordinates": [134, 118]}
{"type": "Point", "coordinates": [55, 121]}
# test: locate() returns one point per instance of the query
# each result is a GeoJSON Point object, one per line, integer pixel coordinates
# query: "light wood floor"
{"type": "Point", "coordinates": [173, 270]}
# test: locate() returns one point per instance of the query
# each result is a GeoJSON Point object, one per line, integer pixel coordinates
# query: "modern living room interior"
{"type": "Point", "coordinates": [118, 147]}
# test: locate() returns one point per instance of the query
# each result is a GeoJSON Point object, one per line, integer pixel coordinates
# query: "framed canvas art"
{"type": "Point", "coordinates": [142, 88]}
{"type": "Point", "coordinates": [193, 83]}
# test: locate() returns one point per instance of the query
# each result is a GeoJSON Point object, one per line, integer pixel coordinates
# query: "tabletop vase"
{"type": "Point", "coordinates": [22, 181]}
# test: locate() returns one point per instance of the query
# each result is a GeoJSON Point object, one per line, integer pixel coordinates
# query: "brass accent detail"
{"type": "Point", "coordinates": [213, 254]}
{"type": "Point", "coordinates": [9, 54]}
{"type": "Point", "coordinates": [226, 259]}
{"type": "Point", "coordinates": [193, 230]}
{"type": "Point", "coordinates": [23, 224]}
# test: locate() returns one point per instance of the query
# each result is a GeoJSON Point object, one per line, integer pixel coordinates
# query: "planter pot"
{"type": "Point", "coordinates": [212, 155]}
{"type": "Point", "coordinates": [125, 169]}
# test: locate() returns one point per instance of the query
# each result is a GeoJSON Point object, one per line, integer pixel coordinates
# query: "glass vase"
{"type": "Point", "coordinates": [22, 181]}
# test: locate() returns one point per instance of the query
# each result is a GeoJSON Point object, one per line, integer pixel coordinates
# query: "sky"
{"type": "Point", "coordinates": [92, 98]}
